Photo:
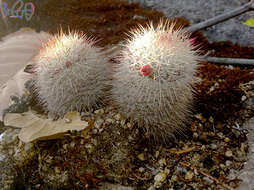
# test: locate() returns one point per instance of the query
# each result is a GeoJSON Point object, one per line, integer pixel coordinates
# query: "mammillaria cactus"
{"type": "Point", "coordinates": [154, 77]}
{"type": "Point", "coordinates": [71, 74]}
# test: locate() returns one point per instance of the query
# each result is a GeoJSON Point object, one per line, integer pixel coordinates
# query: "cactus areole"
{"type": "Point", "coordinates": [153, 82]}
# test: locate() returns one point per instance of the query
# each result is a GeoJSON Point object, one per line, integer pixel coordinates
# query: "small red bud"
{"type": "Point", "coordinates": [192, 41]}
{"type": "Point", "coordinates": [68, 64]}
{"type": "Point", "coordinates": [146, 70]}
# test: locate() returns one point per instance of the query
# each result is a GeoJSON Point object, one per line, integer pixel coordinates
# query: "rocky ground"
{"type": "Point", "coordinates": [115, 151]}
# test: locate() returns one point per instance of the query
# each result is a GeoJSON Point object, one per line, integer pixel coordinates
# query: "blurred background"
{"type": "Point", "coordinates": [108, 19]}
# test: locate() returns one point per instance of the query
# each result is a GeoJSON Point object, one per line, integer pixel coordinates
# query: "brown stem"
{"type": "Point", "coordinates": [223, 17]}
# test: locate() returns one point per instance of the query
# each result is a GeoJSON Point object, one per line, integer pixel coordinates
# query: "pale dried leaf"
{"type": "Point", "coordinates": [34, 127]}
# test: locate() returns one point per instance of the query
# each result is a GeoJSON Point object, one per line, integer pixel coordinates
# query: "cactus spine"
{"type": "Point", "coordinates": [154, 77]}
{"type": "Point", "coordinates": [71, 74]}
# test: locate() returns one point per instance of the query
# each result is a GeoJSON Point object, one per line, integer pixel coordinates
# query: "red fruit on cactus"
{"type": "Point", "coordinates": [146, 70]}
{"type": "Point", "coordinates": [68, 64]}
{"type": "Point", "coordinates": [192, 41]}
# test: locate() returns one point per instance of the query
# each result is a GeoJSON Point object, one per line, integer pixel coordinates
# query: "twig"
{"type": "Point", "coordinates": [207, 175]}
{"type": "Point", "coordinates": [230, 61]}
{"type": "Point", "coordinates": [223, 17]}
{"type": "Point", "coordinates": [182, 151]}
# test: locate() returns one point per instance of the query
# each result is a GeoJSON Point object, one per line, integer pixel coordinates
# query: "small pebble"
{"type": "Point", "coordinates": [162, 162]}
{"type": "Point", "coordinates": [94, 142]}
{"type": "Point", "coordinates": [200, 117]}
{"type": "Point", "coordinates": [211, 89]}
{"type": "Point", "coordinates": [160, 177]}
{"type": "Point", "coordinates": [242, 148]}
{"type": "Point", "coordinates": [174, 178]}
{"type": "Point", "coordinates": [129, 125]}
{"type": "Point", "coordinates": [117, 117]}
{"type": "Point", "coordinates": [181, 169]}
{"type": "Point", "coordinates": [151, 188]}
{"type": "Point", "coordinates": [109, 120]}
{"type": "Point", "coordinates": [195, 135]}
{"type": "Point", "coordinates": [157, 153]}
{"type": "Point", "coordinates": [208, 180]}
{"type": "Point", "coordinates": [220, 134]}
{"type": "Point", "coordinates": [28, 147]}
{"type": "Point", "coordinates": [189, 175]}
{"type": "Point", "coordinates": [95, 131]}
{"type": "Point", "coordinates": [227, 139]}
{"type": "Point", "coordinates": [211, 119]}
{"type": "Point", "coordinates": [213, 146]}
{"type": "Point", "coordinates": [57, 170]}
{"type": "Point", "coordinates": [122, 122]}
{"type": "Point", "coordinates": [141, 169]}
{"type": "Point", "coordinates": [72, 145]}
{"type": "Point", "coordinates": [243, 98]}
{"type": "Point", "coordinates": [98, 123]}
{"type": "Point", "coordinates": [228, 163]}
{"type": "Point", "coordinates": [88, 146]}
{"type": "Point", "coordinates": [99, 111]}
{"type": "Point", "coordinates": [85, 114]}
{"type": "Point", "coordinates": [229, 153]}
{"type": "Point", "coordinates": [65, 146]}
{"type": "Point", "coordinates": [141, 157]}
{"type": "Point", "coordinates": [222, 166]}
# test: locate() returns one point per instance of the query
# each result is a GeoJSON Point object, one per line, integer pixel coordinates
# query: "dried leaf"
{"type": "Point", "coordinates": [34, 127]}
{"type": "Point", "coordinates": [249, 22]}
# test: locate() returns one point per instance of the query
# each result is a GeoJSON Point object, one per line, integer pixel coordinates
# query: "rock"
{"type": "Point", "coordinates": [159, 179]}
{"type": "Point", "coordinates": [99, 111]}
{"type": "Point", "coordinates": [200, 10]}
{"type": "Point", "coordinates": [141, 156]}
{"type": "Point", "coordinates": [228, 153]}
{"type": "Point", "coordinates": [189, 175]}
{"type": "Point", "coordinates": [117, 117]}
{"type": "Point", "coordinates": [163, 162]}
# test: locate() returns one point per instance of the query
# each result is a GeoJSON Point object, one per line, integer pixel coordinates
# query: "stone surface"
{"type": "Point", "coordinates": [200, 10]}
{"type": "Point", "coordinates": [247, 173]}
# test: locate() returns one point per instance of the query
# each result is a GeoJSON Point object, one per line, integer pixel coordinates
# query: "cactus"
{"type": "Point", "coordinates": [154, 77]}
{"type": "Point", "coordinates": [71, 74]}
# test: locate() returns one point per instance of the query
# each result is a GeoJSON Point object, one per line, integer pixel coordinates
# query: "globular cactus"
{"type": "Point", "coordinates": [154, 77]}
{"type": "Point", "coordinates": [71, 74]}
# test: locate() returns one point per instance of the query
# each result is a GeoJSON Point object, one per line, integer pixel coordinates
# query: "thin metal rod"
{"type": "Point", "coordinates": [231, 61]}
{"type": "Point", "coordinates": [223, 17]}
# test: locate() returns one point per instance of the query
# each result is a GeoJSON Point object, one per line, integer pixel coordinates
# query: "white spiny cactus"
{"type": "Point", "coordinates": [71, 74]}
{"type": "Point", "coordinates": [153, 81]}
